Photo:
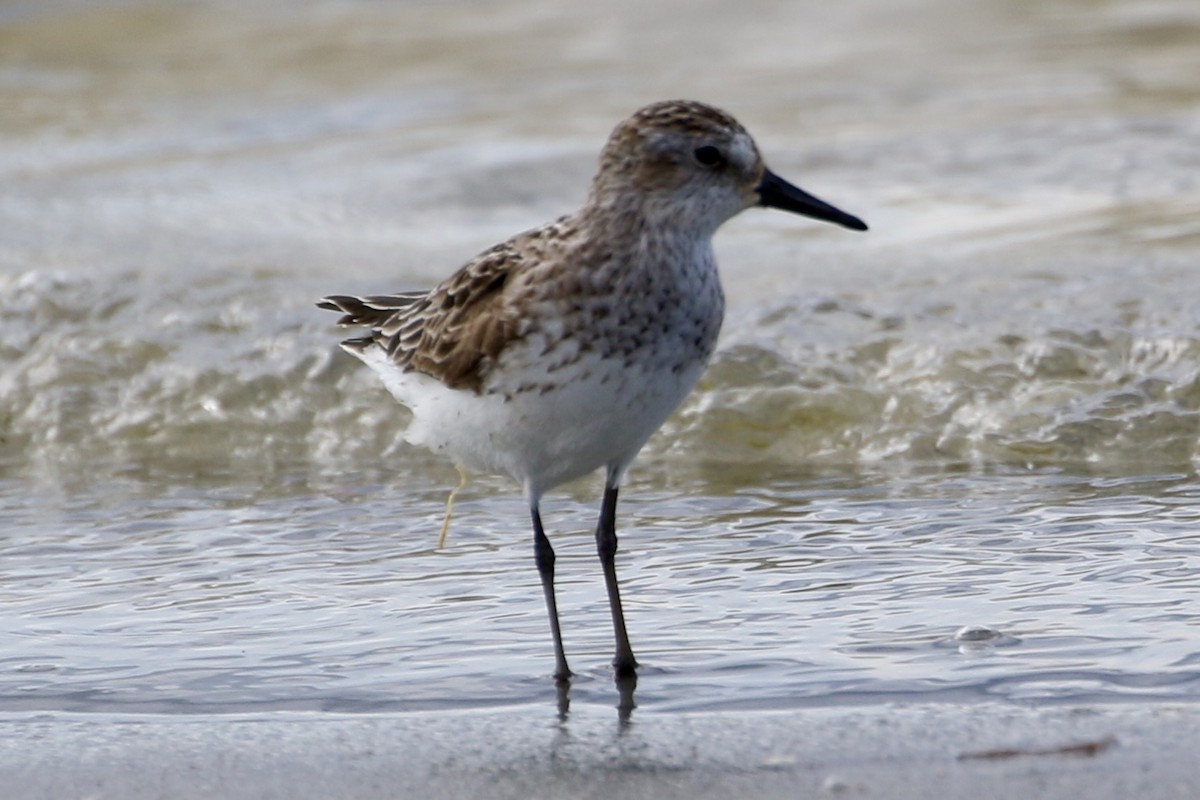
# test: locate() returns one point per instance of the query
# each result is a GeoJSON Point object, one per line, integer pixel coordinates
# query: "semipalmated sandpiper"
{"type": "Point", "coordinates": [561, 350]}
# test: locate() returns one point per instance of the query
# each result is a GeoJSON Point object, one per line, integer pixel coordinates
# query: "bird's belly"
{"type": "Point", "coordinates": [564, 425]}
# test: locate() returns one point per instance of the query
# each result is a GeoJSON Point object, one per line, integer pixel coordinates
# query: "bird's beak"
{"type": "Point", "coordinates": [775, 192]}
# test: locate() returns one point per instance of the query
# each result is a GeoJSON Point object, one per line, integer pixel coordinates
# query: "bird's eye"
{"type": "Point", "coordinates": [708, 156]}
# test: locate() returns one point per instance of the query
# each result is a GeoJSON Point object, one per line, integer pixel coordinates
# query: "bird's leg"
{"type": "Point", "coordinates": [543, 554]}
{"type": "Point", "coordinates": [462, 481]}
{"type": "Point", "coordinates": [606, 546]}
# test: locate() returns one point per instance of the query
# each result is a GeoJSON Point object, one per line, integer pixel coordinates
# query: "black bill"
{"type": "Point", "coordinates": [775, 192]}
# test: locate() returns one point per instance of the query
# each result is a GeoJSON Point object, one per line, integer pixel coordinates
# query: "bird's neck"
{"type": "Point", "coordinates": [650, 220]}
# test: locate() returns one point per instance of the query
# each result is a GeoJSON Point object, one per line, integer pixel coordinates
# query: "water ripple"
{"type": "Point", "coordinates": [1081, 585]}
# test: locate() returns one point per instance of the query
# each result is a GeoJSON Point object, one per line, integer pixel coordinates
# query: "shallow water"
{"type": "Point", "coordinates": [951, 459]}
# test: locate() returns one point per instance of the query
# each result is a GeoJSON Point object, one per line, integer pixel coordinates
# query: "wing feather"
{"type": "Point", "coordinates": [454, 332]}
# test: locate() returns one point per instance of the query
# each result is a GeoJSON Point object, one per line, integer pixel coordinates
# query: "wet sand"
{"type": "Point", "coordinates": [976, 750]}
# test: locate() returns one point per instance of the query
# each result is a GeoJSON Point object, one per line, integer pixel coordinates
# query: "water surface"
{"type": "Point", "coordinates": [949, 460]}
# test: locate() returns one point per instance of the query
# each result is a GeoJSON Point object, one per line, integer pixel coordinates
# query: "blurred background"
{"type": "Point", "coordinates": [181, 179]}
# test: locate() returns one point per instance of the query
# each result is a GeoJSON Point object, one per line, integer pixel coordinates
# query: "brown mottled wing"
{"type": "Point", "coordinates": [454, 333]}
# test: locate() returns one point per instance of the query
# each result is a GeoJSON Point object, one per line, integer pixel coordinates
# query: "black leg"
{"type": "Point", "coordinates": [606, 546]}
{"type": "Point", "coordinates": [543, 554]}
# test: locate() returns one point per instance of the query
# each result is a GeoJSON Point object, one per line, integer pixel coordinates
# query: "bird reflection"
{"type": "Point", "coordinates": [626, 685]}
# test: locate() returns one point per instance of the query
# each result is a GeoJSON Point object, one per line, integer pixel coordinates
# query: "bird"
{"type": "Point", "coordinates": [560, 351]}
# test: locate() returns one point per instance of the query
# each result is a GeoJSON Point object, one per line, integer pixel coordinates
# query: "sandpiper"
{"type": "Point", "coordinates": [560, 351]}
